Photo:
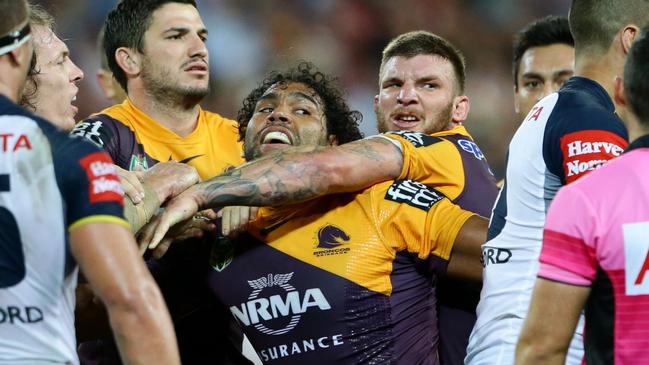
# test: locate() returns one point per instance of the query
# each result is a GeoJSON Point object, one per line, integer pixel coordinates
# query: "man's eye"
{"type": "Point", "coordinates": [175, 36]}
{"type": "Point", "coordinates": [532, 84]}
{"type": "Point", "coordinates": [265, 110]}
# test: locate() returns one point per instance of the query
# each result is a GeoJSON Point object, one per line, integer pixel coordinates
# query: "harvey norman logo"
{"type": "Point", "coordinates": [578, 148]}
{"type": "Point", "coordinates": [289, 304]}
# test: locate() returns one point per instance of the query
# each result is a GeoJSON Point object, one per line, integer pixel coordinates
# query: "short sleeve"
{"type": "Point", "coordinates": [431, 160]}
{"type": "Point", "coordinates": [583, 141]}
{"type": "Point", "coordinates": [425, 222]}
{"type": "Point", "coordinates": [569, 237]}
{"type": "Point", "coordinates": [89, 183]}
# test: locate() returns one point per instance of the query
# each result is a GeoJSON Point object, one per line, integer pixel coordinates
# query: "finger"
{"type": "Point", "coordinates": [243, 219]}
{"type": "Point", "coordinates": [159, 232]}
{"type": "Point", "coordinates": [226, 212]}
{"type": "Point", "coordinates": [131, 191]}
{"type": "Point", "coordinates": [209, 213]}
{"type": "Point", "coordinates": [139, 174]}
{"type": "Point", "coordinates": [162, 248]}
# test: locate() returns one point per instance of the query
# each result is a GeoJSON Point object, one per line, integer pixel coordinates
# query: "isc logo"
{"type": "Point", "coordinates": [636, 258]}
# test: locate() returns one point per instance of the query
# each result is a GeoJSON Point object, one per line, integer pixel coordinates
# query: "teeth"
{"type": "Point", "coordinates": [408, 118]}
{"type": "Point", "coordinates": [74, 98]}
{"type": "Point", "coordinates": [276, 136]}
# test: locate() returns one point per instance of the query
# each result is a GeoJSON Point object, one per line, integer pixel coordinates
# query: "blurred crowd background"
{"type": "Point", "coordinates": [248, 38]}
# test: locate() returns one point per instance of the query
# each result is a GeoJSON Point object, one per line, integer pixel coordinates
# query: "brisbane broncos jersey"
{"type": "Point", "coordinates": [346, 279]}
{"type": "Point", "coordinates": [50, 184]}
{"type": "Point", "coordinates": [451, 162]}
{"type": "Point", "coordinates": [135, 141]}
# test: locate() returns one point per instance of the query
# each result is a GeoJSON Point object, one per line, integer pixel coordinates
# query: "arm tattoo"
{"type": "Point", "coordinates": [302, 173]}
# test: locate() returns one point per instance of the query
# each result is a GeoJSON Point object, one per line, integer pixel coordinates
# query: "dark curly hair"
{"type": "Point", "coordinates": [341, 122]}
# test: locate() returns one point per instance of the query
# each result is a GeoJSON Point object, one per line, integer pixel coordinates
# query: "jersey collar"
{"type": "Point", "coordinates": [642, 142]}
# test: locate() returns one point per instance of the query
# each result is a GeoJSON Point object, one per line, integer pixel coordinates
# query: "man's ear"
{"type": "Point", "coordinates": [129, 61]}
{"type": "Point", "coordinates": [628, 36]}
{"type": "Point", "coordinates": [22, 55]}
{"type": "Point", "coordinates": [460, 110]}
{"type": "Point", "coordinates": [105, 80]}
{"type": "Point", "coordinates": [619, 97]}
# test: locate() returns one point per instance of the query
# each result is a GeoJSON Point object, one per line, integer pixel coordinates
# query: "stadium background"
{"type": "Point", "coordinates": [344, 38]}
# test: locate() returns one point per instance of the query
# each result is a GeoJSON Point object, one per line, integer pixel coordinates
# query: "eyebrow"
{"type": "Point", "coordinates": [295, 94]}
{"type": "Point", "coordinates": [184, 30]}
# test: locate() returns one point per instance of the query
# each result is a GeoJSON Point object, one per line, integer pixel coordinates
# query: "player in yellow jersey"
{"type": "Point", "coordinates": [421, 102]}
{"type": "Point", "coordinates": [156, 51]}
{"type": "Point", "coordinates": [347, 278]}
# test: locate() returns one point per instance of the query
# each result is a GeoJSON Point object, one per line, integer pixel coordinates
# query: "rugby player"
{"type": "Point", "coordinates": [354, 274]}
{"type": "Point", "coordinates": [595, 250]}
{"type": "Point", "coordinates": [40, 166]}
{"type": "Point", "coordinates": [564, 137]}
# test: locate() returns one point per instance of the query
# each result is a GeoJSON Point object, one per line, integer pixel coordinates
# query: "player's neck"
{"type": "Point", "coordinates": [603, 70]}
{"type": "Point", "coordinates": [180, 119]}
{"type": "Point", "coordinates": [9, 90]}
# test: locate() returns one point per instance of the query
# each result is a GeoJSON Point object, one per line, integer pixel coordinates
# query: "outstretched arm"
{"type": "Point", "coordinates": [288, 176]}
{"type": "Point", "coordinates": [108, 257]}
{"type": "Point", "coordinates": [467, 250]}
{"type": "Point", "coordinates": [551, 322]}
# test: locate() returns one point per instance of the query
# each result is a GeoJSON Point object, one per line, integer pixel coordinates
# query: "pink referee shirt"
{"type": "Point", "coordinates": [597, 235]}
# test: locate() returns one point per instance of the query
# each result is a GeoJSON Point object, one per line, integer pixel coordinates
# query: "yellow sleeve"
{"type": "Point", "coordinates": [99, 219]}
{"type": "Point", "coordinates": [418, 219]}
{"type": "Point", "coordinates": [431, 160]}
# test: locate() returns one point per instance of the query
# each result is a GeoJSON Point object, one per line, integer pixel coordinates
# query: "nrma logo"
{"type": "Point", "coordinates": [289, 305]}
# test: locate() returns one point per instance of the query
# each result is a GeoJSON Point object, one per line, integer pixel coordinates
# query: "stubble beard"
{"type": "Point", "coordinates": [166, 88]}
{"type": "Point", "coordinates": [441, 123]}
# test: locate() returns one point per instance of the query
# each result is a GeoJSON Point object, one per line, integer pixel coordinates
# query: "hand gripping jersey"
{"type": "Point", "coordinates": [451, 162]}
{"type": "Point", "coordinates": [50, 183]}
{"type": "Point", "coordinates": [345, 279]}
{"type": "Point", "coordinates": [135, 141]}
{"type": "Point", "coordinates": [564, 136]}
{"type": "Point", "coordinates": [597, 235]}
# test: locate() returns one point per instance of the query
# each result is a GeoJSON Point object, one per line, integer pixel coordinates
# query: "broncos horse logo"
{"type": "Point", "coordinates": [331, 236]}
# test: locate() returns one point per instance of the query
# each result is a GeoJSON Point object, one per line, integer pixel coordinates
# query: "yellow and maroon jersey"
{"type": "Point", "coordinates": [346, 279]}
{"type": "Point", "coordinates": [451, 162]}
{"type": "Point", "coordinates": [134, 140]}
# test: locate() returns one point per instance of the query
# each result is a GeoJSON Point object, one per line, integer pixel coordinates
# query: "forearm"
{"type": "Point", "coordinates": [529, 353]}
{"type": "Point", "coordinates": [303, 173]}
{"type": "Point", "coordinates": [465, 261]}
{"type": "Point", "coordinates": [140, 214]}
{"type": "Point", "coordinates": [142, 328]}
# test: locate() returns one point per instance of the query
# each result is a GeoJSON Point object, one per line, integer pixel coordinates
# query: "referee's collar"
{"type": "Point", "coordinates": [642, 142]}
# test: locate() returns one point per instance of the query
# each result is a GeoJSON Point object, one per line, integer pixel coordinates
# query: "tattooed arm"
{"type": "Point", "coordinates": [288, 176]}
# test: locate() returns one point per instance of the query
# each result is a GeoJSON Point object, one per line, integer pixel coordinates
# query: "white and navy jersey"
{"type": "Point", "coordinates": [565, 135]}
{"type": "Point", "coordinates": [50, 183]}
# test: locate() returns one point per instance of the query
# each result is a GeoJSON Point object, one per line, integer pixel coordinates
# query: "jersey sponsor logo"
{"type": "Point", "coordinates": [89, 130]}
{"type": "Point", "coordinates": [14, 314]}
{"type": "Point", "coordinates": [636, 258]}
{"type": "Point", "coordinates": [298, 347]}
{"type": "Point", "coordinates": [104, 184]}
{"type": "Point", "coordinates": [329, 240]}
{"type": "Point", "coordinates": [534, 114]}
{"type": "Point", "coordinates": [414, 194]}
{"type": "Point", "coordinates": [10, 142]}
{"type": "Point", "coordinates": [284, 309]}
{"type": "Point", "coordinates": [138, 163]}
{"type": "Point", "coordinates": [417, 139]}
{"type": "Point", "coordinates": [495, 255]}
{"type": "Point", "coordinates": [585, 151]}
{"type": "Point", "coordinates": [471, 147]}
